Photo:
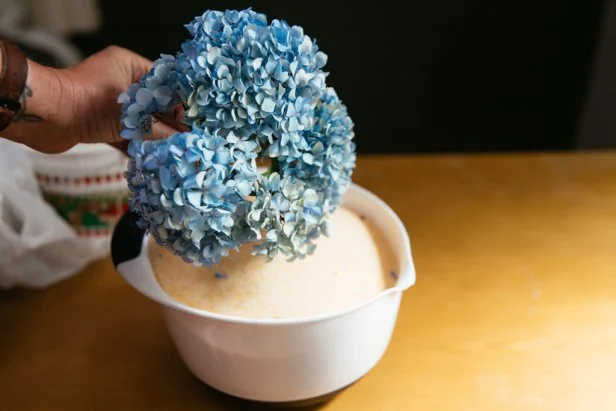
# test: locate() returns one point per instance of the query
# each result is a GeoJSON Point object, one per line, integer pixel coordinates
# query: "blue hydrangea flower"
{"type": "Point", "coordinates": [329, 161]}
{"type": "Point", "coordinates": [313, 185]}
{"type": "Point", "coordinates": [157, 92]}
{"type": "Point", "coordinates": [289, 214]}
{"type": "Point", "coordinates": [251, 90]}
{"type": "Point", "coordinates": [236, 73]}
{"type": "Point", "coordinates": [192, 193]}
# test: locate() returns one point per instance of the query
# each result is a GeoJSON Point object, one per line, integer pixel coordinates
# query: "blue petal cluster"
{"type": "Point", "coordinates": [157, 92]}
{"type": "Point", "coordinates": [191, 192]}
{"type": "Point", "coordinates": [329, 161]}
{"type": "Point", "coordinates": [251, 90]}
{"type": "Point", "coordinates": [291, 214]}
{"type": "Point", "coordinates": [236, 73]}
{"type": "Point", "coordinates": [312, 187]}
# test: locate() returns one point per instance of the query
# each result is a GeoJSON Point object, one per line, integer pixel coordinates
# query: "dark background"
{"type": "Point", "coordinates": [419, 76]}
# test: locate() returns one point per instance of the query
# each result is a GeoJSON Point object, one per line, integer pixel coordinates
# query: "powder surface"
{"type": "Point", "coordinates": [351, 266]}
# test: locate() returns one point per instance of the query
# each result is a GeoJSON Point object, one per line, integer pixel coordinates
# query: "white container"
{"type": "Point", "coordinates": [277, 360]}
{"type": "Point", "coordinates": [87, 188]}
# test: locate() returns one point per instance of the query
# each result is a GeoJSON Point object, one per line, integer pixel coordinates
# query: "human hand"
{"type": "Point", "coordinates": [97, 82]}
{"type": "Point", "coordinates": [79, 104]}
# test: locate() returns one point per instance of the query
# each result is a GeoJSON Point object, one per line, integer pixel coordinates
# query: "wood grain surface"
{"type": "Point", "coordinates": [514, 306]}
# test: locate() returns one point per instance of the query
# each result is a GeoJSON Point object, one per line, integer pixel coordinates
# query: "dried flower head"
{"type": "Point", "coordinates": [251, 90]}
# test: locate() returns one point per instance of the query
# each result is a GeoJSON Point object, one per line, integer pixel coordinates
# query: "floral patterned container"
{"type": "Point", "coordinates": [86, 186]}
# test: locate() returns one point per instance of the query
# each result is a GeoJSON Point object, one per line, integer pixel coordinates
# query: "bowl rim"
{"type": "Point", "coordinates": [141, 263]}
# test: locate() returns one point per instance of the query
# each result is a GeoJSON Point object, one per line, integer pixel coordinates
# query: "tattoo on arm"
{"type": "Point", "coordinates": [23, 114]}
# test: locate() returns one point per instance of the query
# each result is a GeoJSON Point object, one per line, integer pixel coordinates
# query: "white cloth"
{"type": "Point", "coordinates": [37, 247]}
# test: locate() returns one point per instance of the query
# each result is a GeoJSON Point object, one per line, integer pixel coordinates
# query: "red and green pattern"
{"type": "Point", "coordinates": [91, 214]}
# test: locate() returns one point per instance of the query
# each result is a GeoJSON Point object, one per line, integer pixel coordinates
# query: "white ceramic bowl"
{"type": "Point", "coordinates": [278, 360]}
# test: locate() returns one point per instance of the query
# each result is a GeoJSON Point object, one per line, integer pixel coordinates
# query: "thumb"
{"type": "Point", "coordinates": [136, 65]}
{"type": "Point", "coordinates": [139, 66]}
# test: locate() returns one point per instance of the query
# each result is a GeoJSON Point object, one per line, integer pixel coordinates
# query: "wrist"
{"type": "Point", "coordinates": [48, 95]}
{"type": "Point", "coordinates": [46, 112]}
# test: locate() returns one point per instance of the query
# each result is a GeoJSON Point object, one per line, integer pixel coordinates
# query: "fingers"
{"type": "Point", "coordinates": [164, 128]}
{"type": "Point", "coordinates": [122, 146]}
{"type": "Point", "coordinates": [140, 66]}
{"type": "Point", "coordinates": [136, 64]}
{"type": "Point", "coordinates": [163, 125]}
{"type": "Point", "coordinates": [173, 118]}
{"type": "Point", "coordinates": [166, 124]}
{"type": "Point", "coordinates": [179, 113]}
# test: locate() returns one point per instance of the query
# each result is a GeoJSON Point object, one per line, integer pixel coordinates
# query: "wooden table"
{"type": "Point", "coordinates": [514, 306]}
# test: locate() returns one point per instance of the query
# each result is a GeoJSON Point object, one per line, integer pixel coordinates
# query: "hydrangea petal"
{"type": "Point", "coordinates": [251, 89]}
